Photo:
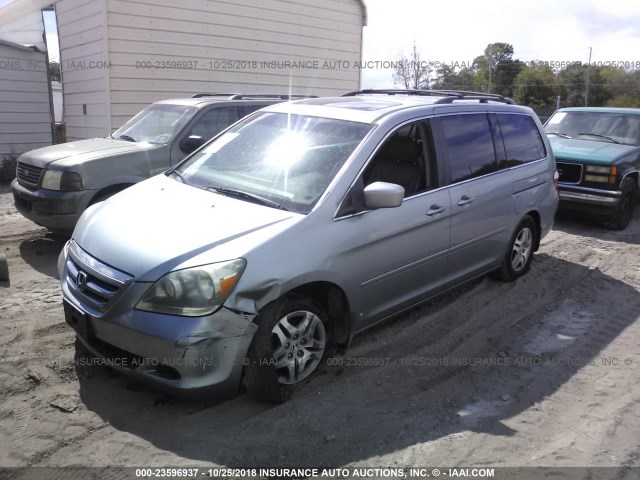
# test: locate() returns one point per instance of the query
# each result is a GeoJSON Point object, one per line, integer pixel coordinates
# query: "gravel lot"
{"type": "Point", "coordinates": [540, 372]}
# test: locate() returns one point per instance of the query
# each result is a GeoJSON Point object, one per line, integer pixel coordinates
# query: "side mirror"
{"type": "Point", "coordinates": [191, 143]}
{"type": "Point", "coordinates": [383, 195]}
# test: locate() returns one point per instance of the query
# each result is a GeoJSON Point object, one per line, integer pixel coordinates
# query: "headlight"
{"type": "Point", "coordinates": [596, 173]}
{"type": "Point", "coordinates": [62, 181]}
{"type": "Point", "coordinates": [193, 292]}
{"type": "Point", "coordinates": [597, 169]}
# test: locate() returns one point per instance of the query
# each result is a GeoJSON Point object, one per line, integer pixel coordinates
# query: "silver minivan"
{"type": "Point", "coordinates": [299, 227]}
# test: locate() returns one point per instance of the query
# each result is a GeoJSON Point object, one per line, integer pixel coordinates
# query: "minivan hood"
{"type": "Point", "coordinates": [76, 152]}
{"type": "Point", "coordinates": [588, 151]}
{"type": "Point", "coordinates": [159, 225]}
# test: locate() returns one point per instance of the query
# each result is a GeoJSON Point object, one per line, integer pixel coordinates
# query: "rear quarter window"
{"type": "Point", "coordinates": [522, 140]}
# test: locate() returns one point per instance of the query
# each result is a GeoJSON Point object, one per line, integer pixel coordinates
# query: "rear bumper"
{"type": "Point", "coordinates": [49, 208]}
{"type": "Point", "coordinates": [591, 200]}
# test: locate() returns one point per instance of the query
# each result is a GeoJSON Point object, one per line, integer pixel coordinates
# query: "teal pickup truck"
{"type": "Point", "coordinates": [597, 153]}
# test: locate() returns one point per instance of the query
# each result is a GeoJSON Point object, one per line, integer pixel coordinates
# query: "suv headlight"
{"type": "Point", "coordinates": [193, 292]}
{"type": "Point", "coordinates": [62, 181]}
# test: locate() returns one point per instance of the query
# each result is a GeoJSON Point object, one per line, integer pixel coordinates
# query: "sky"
{"type": "Point", "coordinates": [547, 30]}
{"type": "Point", "coordinates": [538, 30]}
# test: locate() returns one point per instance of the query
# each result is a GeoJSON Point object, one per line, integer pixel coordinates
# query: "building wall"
{"type": "Point", "coordinates": [235, 46]}
{"type": "Point", "coordinates": [25, 118]}
{"type": "Point", "coordinates": [118, 56]}
{"type": "Point", "coordinates": [82, 32]}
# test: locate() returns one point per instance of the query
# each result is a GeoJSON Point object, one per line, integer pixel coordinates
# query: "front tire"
{"type": "Point", "coordinates": [518, 258]}
{"type": "Point", "coordinates": [291, 341]}
{"type": "Point", "coordinates": [623, 214]}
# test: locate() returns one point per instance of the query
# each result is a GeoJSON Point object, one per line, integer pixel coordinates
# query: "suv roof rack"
{"type": "Point", "coordinates": [449, 96]}
{"type": "Point", "coordinates": [252, 96]}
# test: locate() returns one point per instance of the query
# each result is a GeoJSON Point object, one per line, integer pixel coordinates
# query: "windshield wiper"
{"type": "Point", "coordinates": [174, 172]}
{"type": "Point", "coordinates": [560, 134]}
{"type": "Point", "coordinates": [600, 136]}
{"type": "Point", "coordinates": [127, 138]}
{"type": "Point", "coordinates": [245, 195]}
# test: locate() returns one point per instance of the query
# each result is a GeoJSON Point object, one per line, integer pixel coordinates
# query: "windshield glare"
{"type": "Point", "coordinates": [288, 159]}
{"type": "Point", "coordinates": [158, 123]}
{"type": "Point", "coordinates": [618, 127]}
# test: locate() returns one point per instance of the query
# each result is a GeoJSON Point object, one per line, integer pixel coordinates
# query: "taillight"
{"type": "Point", "coordinates": [556, 177]}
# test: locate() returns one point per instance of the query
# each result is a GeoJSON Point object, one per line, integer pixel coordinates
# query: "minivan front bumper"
{"type": "Point", "coordinates": [189, 356]}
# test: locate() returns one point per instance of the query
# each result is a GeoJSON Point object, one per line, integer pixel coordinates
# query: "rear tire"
{"type": "Point", "coordinates": [292, 339]}
{"type": "Point", "coordinates": [4, 268]}
{"type": "Point", "coordinates": [624, 212]}
{"type": "Point", "coordinates": [518, 258]}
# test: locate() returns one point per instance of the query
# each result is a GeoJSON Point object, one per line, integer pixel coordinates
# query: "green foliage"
{"type": "Point", "coordinates": [534, 84]}
{"type": "Point", "coordinates": [54, 71]}
{"type": "Point", "coordinates": [8, 168]}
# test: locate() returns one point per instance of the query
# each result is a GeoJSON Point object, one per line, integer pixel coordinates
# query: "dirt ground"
{"type": "Point", "coordinates": [540, 372]}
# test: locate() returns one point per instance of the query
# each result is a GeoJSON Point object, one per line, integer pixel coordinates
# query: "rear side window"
{"type": "Point", "coordinates": [466, 145]}
{"type": "Point", "coordinates": [214, 121]}
{"type": "Point", "coordinates": [522, 140]}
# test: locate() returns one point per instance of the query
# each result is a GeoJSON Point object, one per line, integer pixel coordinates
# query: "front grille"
{"type": "Point", "coordinates": [92, 282]}
{"type": "Point", "coordinates": [569, 172]}
{"type": "Point", "coordinates": [28, 175]}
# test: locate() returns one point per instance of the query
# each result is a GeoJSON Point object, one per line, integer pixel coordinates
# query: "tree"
{"type": "Point", "coordinates": [446, 78]}
{"type": "Point", "coordinates": [536, 86]}
{"type": "Point", "coordinates": [622, 87]}
{"type": "Point", "coordinates": [573, 79]}
{"type": "Point", "coordinates": [412, 72]}
{"type": "Point", "coordinates": [496, 70]}
{"type": "Point", "coordinates": [54, 71]}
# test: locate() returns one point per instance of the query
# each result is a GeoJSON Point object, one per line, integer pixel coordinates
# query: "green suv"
{"type": "Point", "coordinates": [55, 184]}
{"type": "Point", "coordinates": [597, 153]}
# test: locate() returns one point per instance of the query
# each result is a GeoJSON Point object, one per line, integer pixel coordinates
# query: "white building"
{"type": "Point", "coordinates": [25, 105]}
{"type": "Point", "coordinates": [118, 56]}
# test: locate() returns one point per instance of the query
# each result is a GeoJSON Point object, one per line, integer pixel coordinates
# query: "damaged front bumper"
{"type": "Point", "coordinates": [181, 355]}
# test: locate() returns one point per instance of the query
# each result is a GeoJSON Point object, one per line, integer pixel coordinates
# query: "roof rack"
{"type": "Point", "coordinates": [252, 96]}
{"type": "Point", "coordinates": [449, 96]}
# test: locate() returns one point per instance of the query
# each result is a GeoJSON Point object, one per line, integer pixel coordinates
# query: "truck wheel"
{"type": "Point", "coordinates": [4, 268]}
{"type": "Point", "coordinates": [623, 214]}
{"type": "Point", "coordinates": [291, 340]}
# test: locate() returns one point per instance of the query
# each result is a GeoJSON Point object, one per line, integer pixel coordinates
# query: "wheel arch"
{"type": "Point", "coordinates": [538, 221]}
{"type": "Point", "coordinates": [109, 190]}
{"type": "Point", "coordinates": [336, 304]}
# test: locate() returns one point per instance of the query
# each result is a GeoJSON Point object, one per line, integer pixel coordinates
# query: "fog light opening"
{"type": "Point", "coordinates": [167, 373]}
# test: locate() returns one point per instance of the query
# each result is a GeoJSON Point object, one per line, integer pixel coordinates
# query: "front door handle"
{"type": "Point", "coordinates": [465, 200]}
{"type": "Point", "coordinates": [435, 209]}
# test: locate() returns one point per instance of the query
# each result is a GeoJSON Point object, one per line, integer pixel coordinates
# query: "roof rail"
{"type": "Point", "coordinates": [449, 96]}
{"type": "Point", "coordinates": [252, 96]}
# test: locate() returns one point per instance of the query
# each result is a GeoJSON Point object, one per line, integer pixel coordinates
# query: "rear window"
{"type": "Point", "coordinates": [522, 140]}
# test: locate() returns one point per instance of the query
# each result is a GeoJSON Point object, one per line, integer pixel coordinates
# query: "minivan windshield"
{"type": "Point", "coordinates": [158, 123]}
{"type": "Point", "coordinates": [276, 159]}
{"type": "Point", "coordinates": [604, 126]}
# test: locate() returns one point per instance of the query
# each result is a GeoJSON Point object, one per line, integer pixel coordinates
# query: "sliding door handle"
{"type": "Point", "coordinates": [465, 200]}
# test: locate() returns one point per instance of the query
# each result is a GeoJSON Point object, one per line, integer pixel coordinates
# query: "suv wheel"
{"type": "Point", "coordinates": [518, 259]}
{"type": "Point", "coordinates": [291, 340]}
{"type": "Point", "coordinates": [621, 218]}
{"type": "Point", "coordinates": [4, 268]}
